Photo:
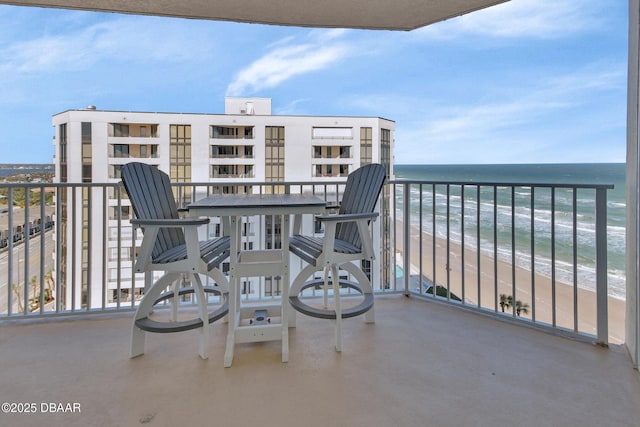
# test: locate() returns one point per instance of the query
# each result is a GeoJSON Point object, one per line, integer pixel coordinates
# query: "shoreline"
{"type": "Point", "coordinates": [545, 297]}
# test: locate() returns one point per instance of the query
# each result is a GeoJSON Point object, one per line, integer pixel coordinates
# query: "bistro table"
{"type": "Point", "coordinates": [245, 262]}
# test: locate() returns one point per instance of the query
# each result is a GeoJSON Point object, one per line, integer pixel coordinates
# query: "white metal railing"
{"type": "Point", "coordinates": [478, 243]}
{"type": "Point", "coordinates": [496, 248]}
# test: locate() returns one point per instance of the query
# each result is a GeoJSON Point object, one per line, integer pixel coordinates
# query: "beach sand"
{"type": "Point", "coordinates": [488, 296]}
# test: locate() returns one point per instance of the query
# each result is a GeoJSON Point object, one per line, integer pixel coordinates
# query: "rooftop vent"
{"type": "Point", "coordinates": [247, 108]}
{"type": "Point", "coordinates": [91, 107]}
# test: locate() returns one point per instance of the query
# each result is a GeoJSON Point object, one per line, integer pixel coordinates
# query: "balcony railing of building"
{"type": "Point", "coordinates": [232, 151]}
{"type": "Point", "coordinates": [496, 249]}
{"type": "Point", "coordinates": [128, 151]}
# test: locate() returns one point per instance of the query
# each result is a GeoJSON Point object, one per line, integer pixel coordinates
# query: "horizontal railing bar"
{"type": "Point", "coordinates": [504, 184]}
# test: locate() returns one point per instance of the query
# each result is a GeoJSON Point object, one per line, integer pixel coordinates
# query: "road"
{"type": "Point", "coordinates": [19, 265]}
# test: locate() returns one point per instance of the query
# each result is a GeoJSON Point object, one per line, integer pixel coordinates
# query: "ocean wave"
{"type": "Point", "coordinates": [543, 261]}
{"type": "Point", "coordinates": [497, 203]}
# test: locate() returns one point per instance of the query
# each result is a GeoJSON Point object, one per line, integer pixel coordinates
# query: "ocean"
{"type": "Point", "coordinates": [11, 169]}
{"type": "Point", "coordinates": [592, 173]}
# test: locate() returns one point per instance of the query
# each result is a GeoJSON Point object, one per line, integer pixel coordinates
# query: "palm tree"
{"type": "Point", "coordinates": [522, 307]}
{"type": "Point", "coordinates": [505, 301]}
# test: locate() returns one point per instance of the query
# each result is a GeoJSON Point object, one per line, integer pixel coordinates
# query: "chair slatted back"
{"type": "Point", "coordinates": [361, 194]}
{"type": "Point", "coordinates": [150, 193]}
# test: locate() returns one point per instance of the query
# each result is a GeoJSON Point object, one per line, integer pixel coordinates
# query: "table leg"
{"type": "Point", "coordinates": [234, 301]}
{"type": "Point", "coordinates": [284, 316]}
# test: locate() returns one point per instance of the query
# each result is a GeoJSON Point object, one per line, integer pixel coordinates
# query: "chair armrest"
{"type": "Point", "coordinates": [347, 217]}
{"type": "Point", "coordinates": [177, 222]}
{"type": "Point", "coordinates": [362, 221]}
{"type": "Point", "coordinates": [152, 228]}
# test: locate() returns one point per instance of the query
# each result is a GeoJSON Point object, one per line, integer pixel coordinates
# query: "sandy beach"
{"type": "Point", "coordinates": [486, 295]}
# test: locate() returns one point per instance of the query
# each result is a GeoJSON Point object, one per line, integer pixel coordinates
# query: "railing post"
{"type": "Point", "coordinates": [601, 267]}
{"type": "Point", "coordinates": [406, 238]}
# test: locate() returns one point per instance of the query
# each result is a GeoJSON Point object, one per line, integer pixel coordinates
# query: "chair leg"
{"type": "Point", "coordinates": [296, 286]}
{"type": "Point", "coordinates": [137, 341]}
{"type": "Point", "coordinates": [335, 279]}
{"type": "Point", "coordinates": [202, 310]}
{"type": "Point", "coordinates": [365, 285]}
{"type": "Point", "coordinates": [144, 308]}
{"type": "Point", "coordinates": [175, 301]}
{"type": "Point", "coordinates": [231, 327]}
{"type": "Point", "coordinates": [223, 285]}
{"type": "Point", "coordinates": [325, 288]}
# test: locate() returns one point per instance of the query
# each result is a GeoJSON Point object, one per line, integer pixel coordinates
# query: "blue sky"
{"type": "Point", "coordinates": [523, 82]}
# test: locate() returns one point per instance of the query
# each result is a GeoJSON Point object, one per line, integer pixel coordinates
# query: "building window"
{"type": "Point", "coordinates": [228, 132]}
{"type": "Point", "coordinates": [223, 132]}
{"type": "Point", "coordinates": [120, 130]}
{"type": "Point", "coordinates": [366, 146]}
{"type": "Point", "coordinates": [125, 212]}
{"type": "Point", "coordinates": [232, 171]}
{"type": "Point", "coordinates": [238, 151]}
{"type": "Point", "coordinates": [246, 288]}
{"type": "Point", "coordinates": [135, 130]}
{"type": "Point", "coordinates": [86, 173]}
{"type": "Point", "coordinates": [385, 206]}
{"type": "Point", "coordinates": [385, 146]}
{"type": "Point", "coordinates": [124, 254]}
{"type": "Point", "coordinates": [272, 286]}
{"type": "Point", "coordinates": [120, 150]}
{"type": "Point", "coordinates": [86, 151]}
{"type": "Point", "coordinates": [273, 232]}
{"type": "Point", "coordinates": [115, 171]}
{"type": "Point", "coordinates": [86, 132]}
{"type": "Point", "coordinates": [63, 142]}
{"type": "Point", "coordinates": [180, 153]}
{"type": "Point", "coordinates": [274, 155]}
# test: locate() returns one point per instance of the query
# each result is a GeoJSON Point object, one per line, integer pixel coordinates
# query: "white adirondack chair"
{"type": "Point", "coordinates": [170, 244]}
{"type": "Point", "coordinates": [347, 239]}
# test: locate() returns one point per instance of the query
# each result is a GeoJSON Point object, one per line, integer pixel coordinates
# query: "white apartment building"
{"type": "Point", "coordinates": [246, 144]}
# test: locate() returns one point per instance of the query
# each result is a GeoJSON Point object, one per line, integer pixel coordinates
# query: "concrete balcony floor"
{"type": "Point", "coordinates": [420, 364]}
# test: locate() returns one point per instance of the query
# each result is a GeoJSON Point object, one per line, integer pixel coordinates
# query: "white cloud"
{"type": "Point", "coordinates": [522, 18]}
{"type": "Point", "coordinates": [127, 39]}
{"type": "Point", "coordinates": [293, 107]}
{"type": "Point", "coordinates": [517, 124]}
{"type": "Point", "coordinates": [287, 59]}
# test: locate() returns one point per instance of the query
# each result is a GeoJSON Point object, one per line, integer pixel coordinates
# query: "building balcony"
{"type": "Point", "coordinates": [449, 359]}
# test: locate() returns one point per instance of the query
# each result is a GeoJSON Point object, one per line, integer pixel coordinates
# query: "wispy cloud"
{"type": "Point", "coordinates": [522, 19]}
{"type": "Point", "coordinates": [512, 125]}
{"type": "Point", "coordinates": [116, 40]}
{"type": "Point", "coordinates": [293, 107]}
{"type": "Point", "coordinates": [289, 58]}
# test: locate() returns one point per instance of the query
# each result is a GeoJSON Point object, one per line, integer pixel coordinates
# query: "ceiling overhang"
{"type": "Point", "coordinates": [366, 14]}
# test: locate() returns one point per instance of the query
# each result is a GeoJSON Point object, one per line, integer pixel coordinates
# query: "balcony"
{"type": "Point", "coordinates": [428, 360]}
{"type": "Point", "coordinates": [420, 364]}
